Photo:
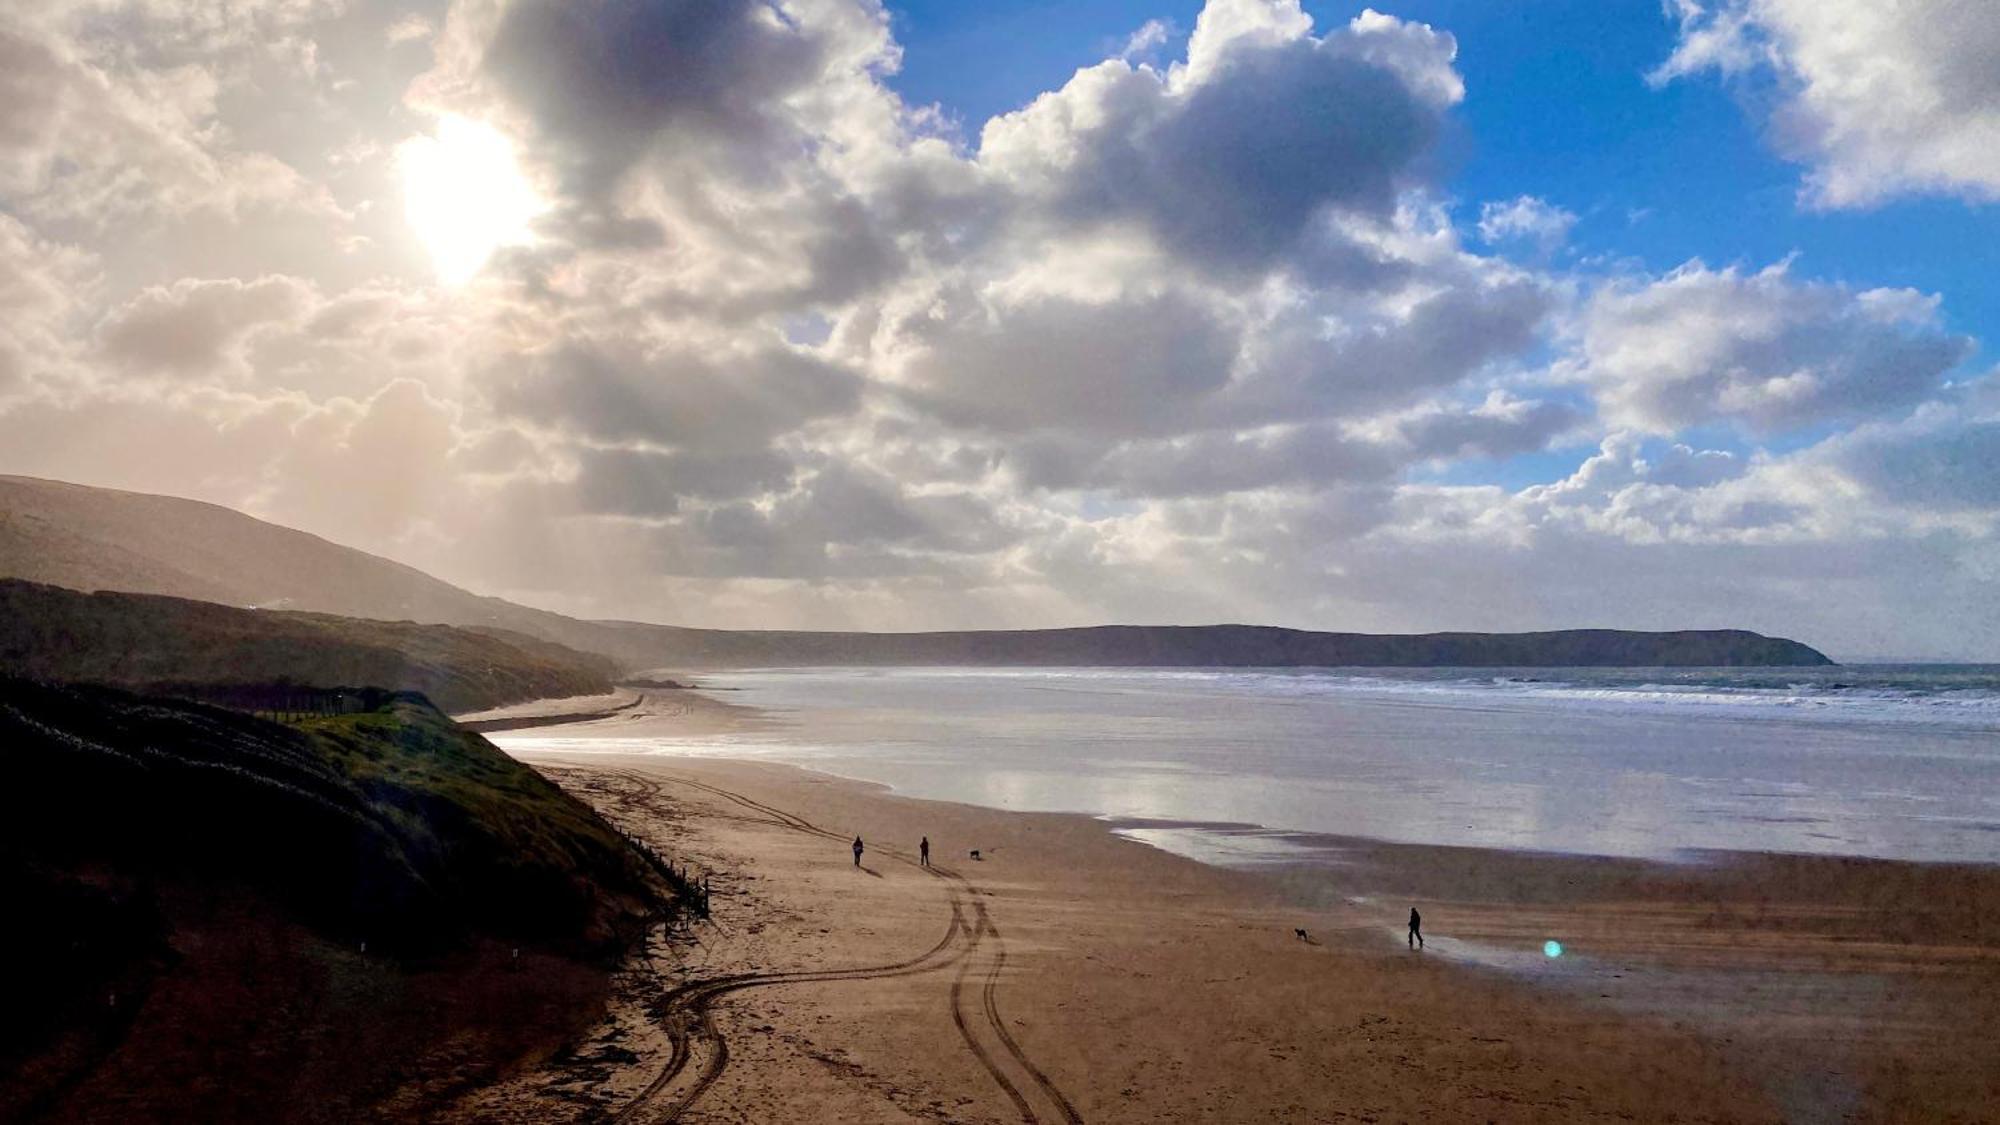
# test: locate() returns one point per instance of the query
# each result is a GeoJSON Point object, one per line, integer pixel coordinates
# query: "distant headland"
{"type": "Point", "coordinates": [1247, 646]}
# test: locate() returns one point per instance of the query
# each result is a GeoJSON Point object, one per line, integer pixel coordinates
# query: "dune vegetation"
{"type": "Point", "coordinates": [208, 900]}
{"type": "Point", "coordinates": [144, 641]}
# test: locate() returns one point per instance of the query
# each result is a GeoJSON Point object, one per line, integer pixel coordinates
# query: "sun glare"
{"type": "Point", "coordinates": [464, 195]}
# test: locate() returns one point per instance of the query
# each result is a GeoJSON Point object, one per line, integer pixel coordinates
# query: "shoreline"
{"type": "Point", "coordinates": [1765, 1018]}
{"type": "Point", "coordinates": [693, 712]}
{"type": "Point", "coordinates": [1817, 983]}
{"type": "Point", "coordinates": [549, 709]}
{"type": "Point", "coordinates": [697, 714]}
{"type": "Point", "coordinates": [1509, 774]}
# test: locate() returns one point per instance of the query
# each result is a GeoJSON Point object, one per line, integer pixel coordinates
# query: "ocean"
{"type": "Point", "coordinates": [1238, 766]}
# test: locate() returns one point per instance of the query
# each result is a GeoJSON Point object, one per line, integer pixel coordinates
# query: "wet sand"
{"type": "Point", "coordinates": [568, 709]}
{"type": "Point", "coordinates": [1846, 987]}
{"type": "Point", "coordinates": [1072, 974]}
{"type": "Point", "coordinates": [687, 713]}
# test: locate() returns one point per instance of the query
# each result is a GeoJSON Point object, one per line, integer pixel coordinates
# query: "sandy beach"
{"type": "Point", "coordinates": [1072, 974]}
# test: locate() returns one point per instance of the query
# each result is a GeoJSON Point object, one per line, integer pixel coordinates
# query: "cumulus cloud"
{"type": "Point", "coordinates": [411, 28]}
{"type": "Point", "coordinates": [370, 470]}
{"type": "Point", "coordinates": [670, 397]}
{"type": "Point", "coordinates": [1943, 459]}
{"type": "Point", "coordinates": [196, 327]}
{"type": "Point", "coordinates": [1879, 100]}
{"type": "Point", "coordinates": [1526, 219]}
{"type": "Point", "coordinates": [838, 523]}
{"type": "Point", "coordinates": [1761, 349]}
{"type": "Point", "coordinates": [1421, 342]}
{"type": "Point", "coordinates": [1314, 456]}
{"type": "Point", "coordinates": [42, 285]}
{"type": "Point", "coordinates": [1499, 427]}
{"type": "Point", "coordinates": [1141, 364]}
{"type": "Point", "coordinates": [651, 483]}
{"type": "Point", "coordinates": [1178, 339]}
{"type": "Point", "coordinates": [90, 137]}
{"type": "Point", "coordinates": [604, 80]}
{"type": "Point", "coordinates": [1953, 468]}
{"type": "Point", "coordinates": [1150, 37]}
{"type": "Point", "coordinates": [1229, 157]}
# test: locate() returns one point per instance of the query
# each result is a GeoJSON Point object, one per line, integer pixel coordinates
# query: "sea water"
{"type": "Point", "coordinates": [1232, 765]}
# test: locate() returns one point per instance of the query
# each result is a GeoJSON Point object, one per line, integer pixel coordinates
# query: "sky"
{"type": "Point", "coordinates": [832, 314]}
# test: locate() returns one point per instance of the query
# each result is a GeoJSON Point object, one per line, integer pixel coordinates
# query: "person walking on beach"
{"type": "Point", "coordinates": [1416, 922]}
{"type": "Point", "coordinates": [924, 851]}
{"type": "Point", "coordinates": [857, 851]}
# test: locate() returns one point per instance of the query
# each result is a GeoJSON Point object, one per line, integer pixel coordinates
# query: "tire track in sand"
{"type": "Point", "coordinates": [700, 1054]}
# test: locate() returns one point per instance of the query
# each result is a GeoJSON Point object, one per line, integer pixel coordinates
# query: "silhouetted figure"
{"type": "Point", "coordinates": [857, 851]}
{"type": "Point", "coordinates": [1416, 921]}
{"type": "Point", "coordinates": [924, 851]}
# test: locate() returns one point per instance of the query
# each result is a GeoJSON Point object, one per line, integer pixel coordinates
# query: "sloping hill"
{"type": "Point", "coordinates": [207, 905]}
{"type": "Point", "coordinates": [139, 640]}
{"type": "Point", "coordinates": [104, 539]}
{"type": "Point", "coordinates": [101, 539]}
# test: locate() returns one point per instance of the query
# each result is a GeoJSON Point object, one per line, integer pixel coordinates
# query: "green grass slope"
{"type": "Point", "coordinates": [190, 890]}
{"type": "Point", "coordinates": [139, 640]}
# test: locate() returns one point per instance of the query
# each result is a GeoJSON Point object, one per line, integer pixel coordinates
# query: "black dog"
{"type": "Point", "coordinates": [1303, 936]}
{"type": "Point", "coordinates": [975, 853]}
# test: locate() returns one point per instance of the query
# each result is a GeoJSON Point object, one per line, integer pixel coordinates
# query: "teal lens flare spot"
{"type": "Point", "coordinates": [1552, 949]}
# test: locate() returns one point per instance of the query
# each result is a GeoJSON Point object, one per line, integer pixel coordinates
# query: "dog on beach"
{"type": "Point", "coordinates": [975, 853]}
{"type": "Point", "coordinates": [1302, 935]}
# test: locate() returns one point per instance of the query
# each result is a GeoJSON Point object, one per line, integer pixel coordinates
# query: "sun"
{"type": "Point", "coordinates": [465, 196]}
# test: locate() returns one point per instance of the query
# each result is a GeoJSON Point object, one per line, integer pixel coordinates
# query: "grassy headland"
{"type": "Point", "coordinates": [208, 905]}
{"type": "Point", "coordinates": [145, 641]}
